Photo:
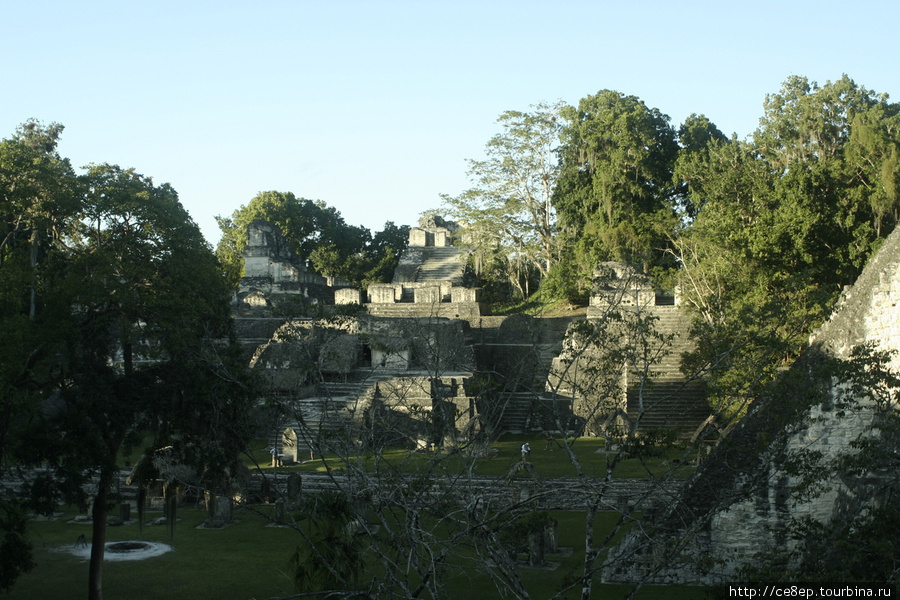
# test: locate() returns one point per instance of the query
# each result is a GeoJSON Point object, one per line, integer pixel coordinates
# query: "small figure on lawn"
{"type": "Point", "coordinates": [526, 450]}
{"type": "Point", "coordinates": [550, 441]}
{"type": "Point", "coordinates": [276, 458]}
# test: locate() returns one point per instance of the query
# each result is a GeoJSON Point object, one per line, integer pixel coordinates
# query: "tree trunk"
{"type": "Point", "coordinates": [32, 308]}
{"type": "Point", "coordinates": [98, 542]}
{"type": "Point", "coordinates": [590, 552]}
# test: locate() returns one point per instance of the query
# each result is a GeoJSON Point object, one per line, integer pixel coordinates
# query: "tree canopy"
{"type": "Point", "coordinates": [123, 319]}
{"type": "Point", "coordinates": [778, 224]}
{"type": "Point", "coordinates": [615, 198]}
{"type": "Point", "coordinates": [509, 214]}
{"type": "Point", "coordinates": [317, 233]}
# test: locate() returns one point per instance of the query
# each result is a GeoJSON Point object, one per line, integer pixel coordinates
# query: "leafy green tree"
{"type": "Point", "coordinates": [143, 297]}
{"type": "Point", "coordinates": [332, 557]}
{"type": "Point", "coordinates": [305, 224]}
{"type": "Point", "coordinates": [509, 213]}
{"type": "Point", "coordinates": [695, 136]}
{"type": "Point", "coordinates": [615, 198]}
{"type": "Point", "coordinates": [37, 200]}
{"type": "Point", "coordinates": [374, 263]}
{"type": "Point", "coordinates": [782, 222]}
{"type": "Point", "coordinates": [39, 194]}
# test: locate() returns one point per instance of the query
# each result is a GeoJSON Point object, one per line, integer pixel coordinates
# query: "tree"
{"type": "Point", "coordinates": [510, 211]}
{"type": "Point", "coordinates": [695, 136]}
{"type": "Point", "coordinates": [779, 224]}
{"type": "Point", "coordinates": [307, 225]}
{"type": "Point", "coordinates": [37, 199]}
{"type": "Point", "coordinates": [143, 298]}
{"type": "Point", "coordinates": [331, 557]}
{"type": "Point", "coordinates": [615, 197]}
{"type": "Point", "coordinates": [39, 194]}
{"type": "Point", "coordinates": [830, 150]}
{"type": "Point", "coordinates": [374, 263]}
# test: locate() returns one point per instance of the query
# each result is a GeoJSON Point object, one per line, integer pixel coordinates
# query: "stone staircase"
{"type": "Point", "coordinates": [329, 412]}
{"type": "Point", "coordinates": [669, 400]}
{"type": "Point", "coordinates": [334, 411]}
{"type": "Point", "coordinates": [441, 263]}
{"type": "Point", "coordinates": [524, 351]}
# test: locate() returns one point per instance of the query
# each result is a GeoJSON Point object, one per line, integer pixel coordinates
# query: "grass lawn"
{"type": "Point", "coordinates": [549, 463]}
{"type": "Point", "coordinates": [245, 560]}
{"type": "Point", "coordinates": [248, 560]}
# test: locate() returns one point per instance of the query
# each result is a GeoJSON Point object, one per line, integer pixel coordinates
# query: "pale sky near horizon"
{"type": "Point", "coordinates": [374, 107]}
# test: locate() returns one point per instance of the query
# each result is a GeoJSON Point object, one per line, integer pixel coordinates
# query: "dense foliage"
{"type": "Point", "coordinates": [318, 233]}
{"type": "Point", "coordinates": [760, 235]}
{"type": "Point", "coordinates": [120, 320]}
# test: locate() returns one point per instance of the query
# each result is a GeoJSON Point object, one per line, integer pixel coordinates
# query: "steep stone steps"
{"type": "Point", "coordinates": [441, 263]}
{"type": "Point", "coordinates": [669, 400]}
{"type": "Point", "coordinates": [670, 403]}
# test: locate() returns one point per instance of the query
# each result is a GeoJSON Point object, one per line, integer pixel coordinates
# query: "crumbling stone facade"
{"type": "Point", "coordinates": [429, 279]}
{"type": "Point", "coordinates": [427, 325]}
{"type": "Point", "coordinates": [334, 373]}
{"type": "Point", "coordinates": [272, 270]}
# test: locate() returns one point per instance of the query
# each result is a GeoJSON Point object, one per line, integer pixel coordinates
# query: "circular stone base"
{"type": "Point", "coordinates": [127, 550]}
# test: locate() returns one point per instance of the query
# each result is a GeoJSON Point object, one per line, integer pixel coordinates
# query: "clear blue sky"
{"type": "Point", "coordinates": [374, 106]}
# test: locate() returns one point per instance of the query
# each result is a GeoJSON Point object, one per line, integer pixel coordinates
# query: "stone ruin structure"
{"type": "Point", "coordinates": [424, 341]}
{"type": "Point", "coordinates": [271, 269]}
{"type": "Point", "coordinates": [339, 373]}
{"type": "Point", "coordinates": [648, 389]}
{"type": "Point", "coordinates": [739, 503]}
{"type": "Point", "coordinates": [428, 280]}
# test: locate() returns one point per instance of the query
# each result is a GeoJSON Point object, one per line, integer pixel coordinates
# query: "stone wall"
{"type": "Point", "coordinates": [272, 269]}
{"type": "Point", "coordinates": [550, 494]}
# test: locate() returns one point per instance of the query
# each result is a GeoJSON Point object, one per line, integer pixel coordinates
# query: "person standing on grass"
{"type": "Point", "coordinates": [526, 450]}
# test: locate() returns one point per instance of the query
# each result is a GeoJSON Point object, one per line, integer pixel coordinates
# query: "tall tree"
{"type": "Point", "coordinates": [615, 197]}
{"type": "Point", "coordinates": [784, 221]}
{"type": "Point", "coordinates": [143, 296]}
{"type": "Point", "coordinates": [37, 200]}
{"type": "Point", "coordinates": [695, 136]}
{"type": "Point", "coordinates": [39, 194]}
{"type": "Point", "coordinates": [510, 210]}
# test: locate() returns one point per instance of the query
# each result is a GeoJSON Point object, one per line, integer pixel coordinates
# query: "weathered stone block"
{"type": "Point", "coordinates": [418, 237]}
{"type": "Point", "coordinates": [382, 294]}
{"type": "Point", "coordinates": [347, 296]}
{"type": "Point", "coordinates": [461, 294]}
{"type": "Point", "coordinates": [428, 295]}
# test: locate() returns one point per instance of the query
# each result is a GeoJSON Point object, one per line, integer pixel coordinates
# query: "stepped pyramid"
{"type": "Point", "coordinates": [439, 263]}
{"type": "Point", "coordinates": [428, 280]}
{"type": "Point", "coordinates": [430, 256]}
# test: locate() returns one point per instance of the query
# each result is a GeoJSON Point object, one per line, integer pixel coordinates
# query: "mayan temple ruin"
{"type": "Point", "coordinates": [425, 340]}
{"type": "Point", "coordinates": [423, 344]}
